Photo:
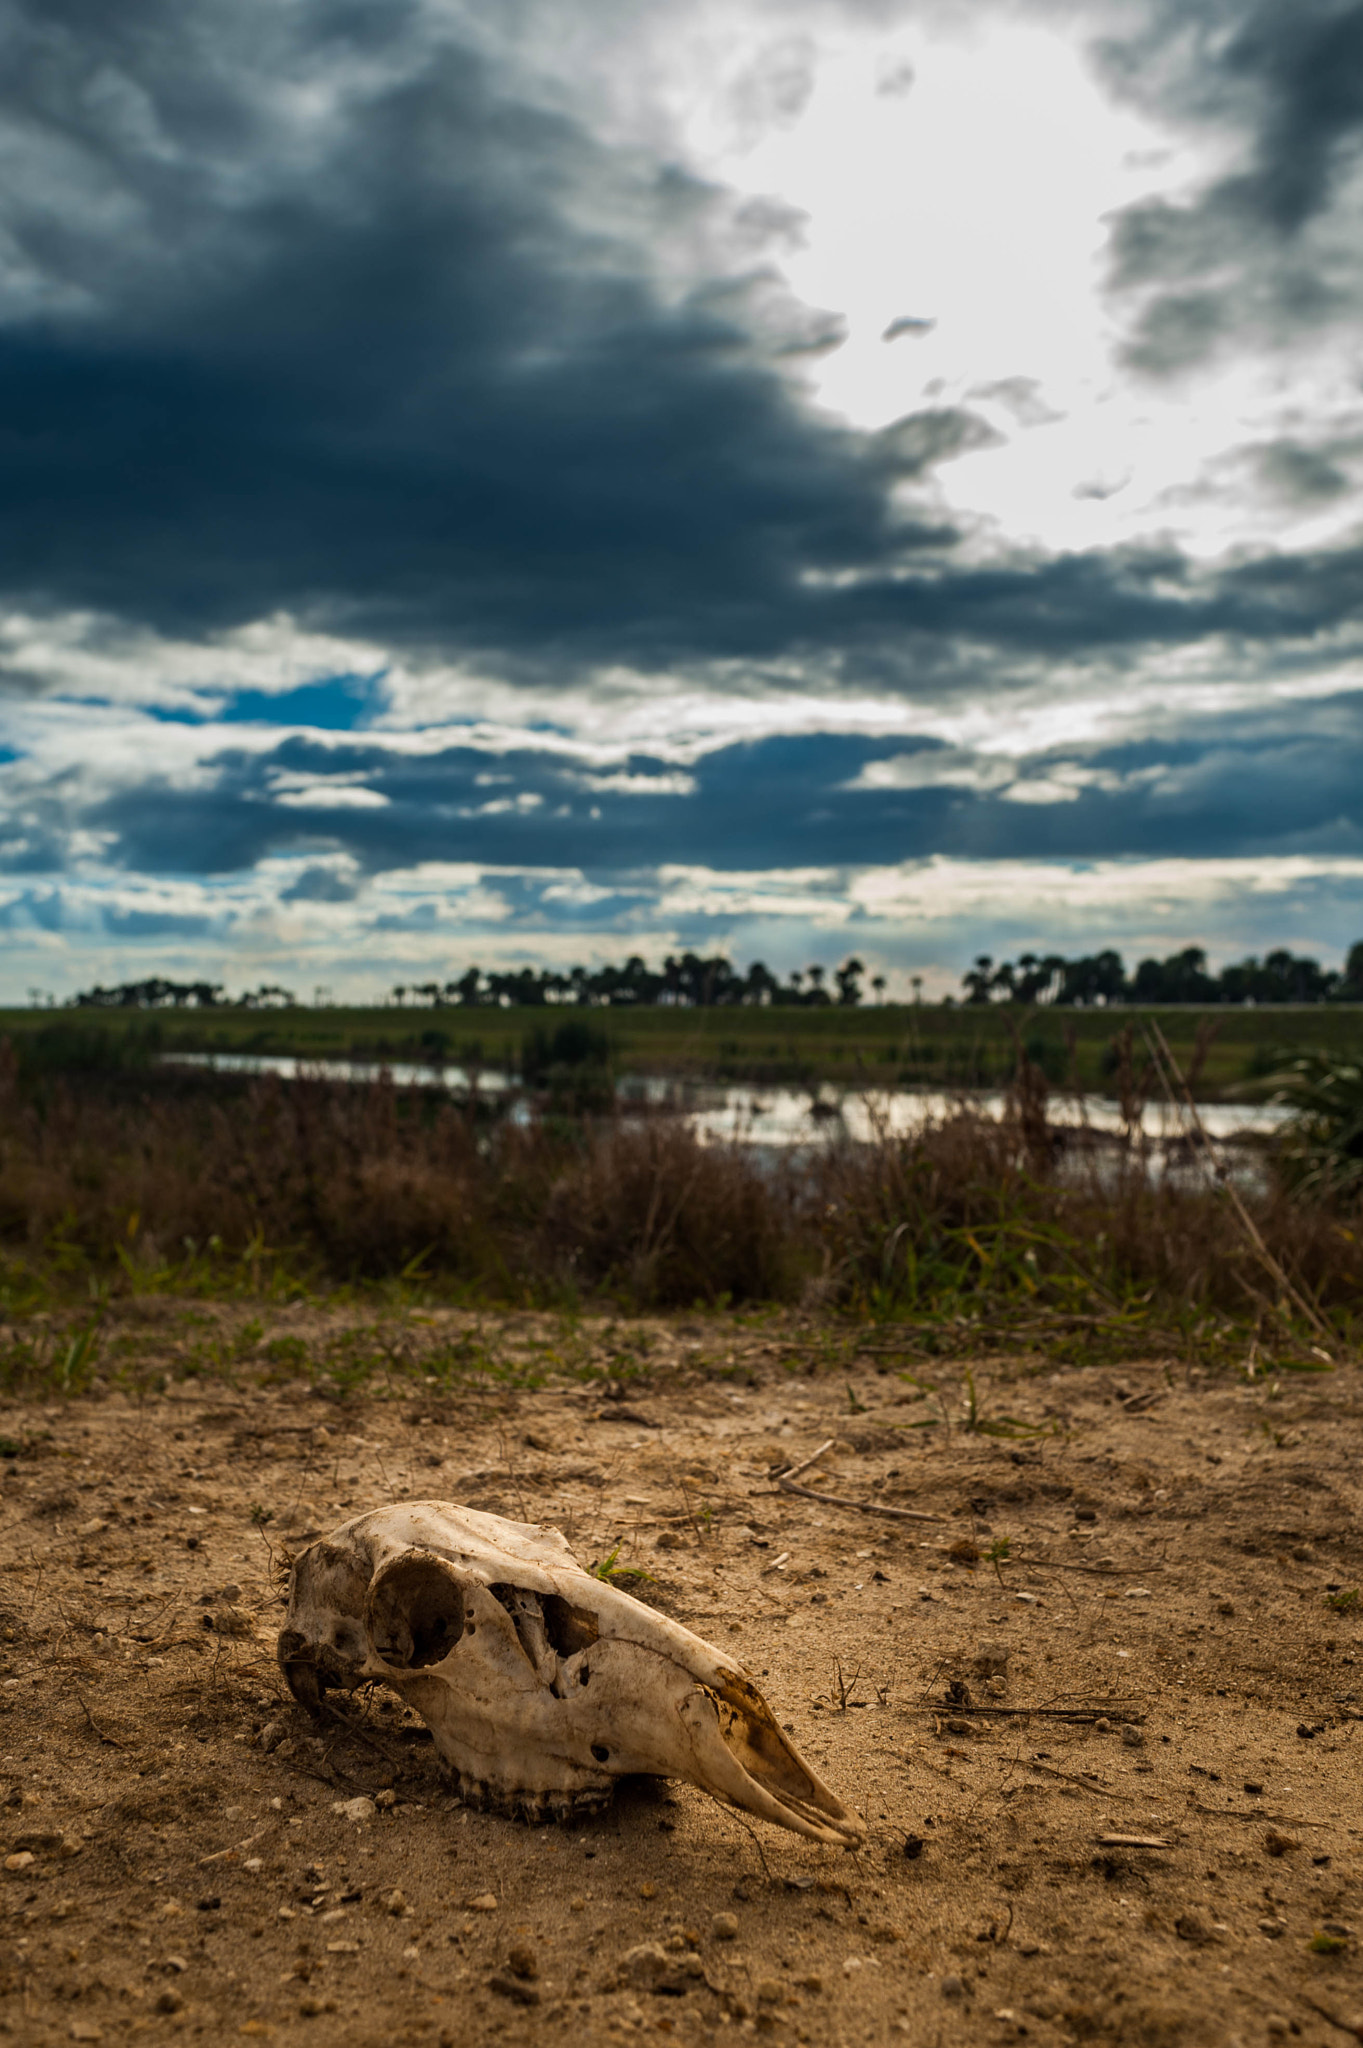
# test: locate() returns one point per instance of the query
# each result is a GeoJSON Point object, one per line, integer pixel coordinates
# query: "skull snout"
{"type": "Point", "coordinates": [742, 1756]}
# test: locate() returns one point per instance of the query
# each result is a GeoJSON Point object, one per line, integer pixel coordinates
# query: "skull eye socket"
{"type": "Point", "coordinates": [416, 1613]}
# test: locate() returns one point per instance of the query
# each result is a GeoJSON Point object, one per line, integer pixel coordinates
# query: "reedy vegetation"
{"type": "Point", "coordinates": [971, 1233]}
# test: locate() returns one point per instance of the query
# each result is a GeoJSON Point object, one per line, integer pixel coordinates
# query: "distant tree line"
{"type": "Point", "coordinates": [684, 980]}
{"type": "Point", "coordinates": [690, 981]}
{"type": "Point", "coordinates": [1100, 978]}
{"type": "Point", "coordinates": [156, 994]}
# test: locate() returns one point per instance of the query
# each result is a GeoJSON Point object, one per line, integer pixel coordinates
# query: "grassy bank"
{"type": "Point", "coordinates": [971, 1234]}
{"type": "Point", "coordinates": [920, 1045]}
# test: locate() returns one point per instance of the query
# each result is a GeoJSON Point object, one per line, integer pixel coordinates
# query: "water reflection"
{"type": "Point", "coordinates": [775, 1118]}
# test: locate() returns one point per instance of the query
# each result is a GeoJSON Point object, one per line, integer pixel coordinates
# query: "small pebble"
{"type": "Point", "coordinates": [86, 2030]}
{"type": "Point", "coordinates": [486, 1902]}
{"type": "Point", "coordinates": [648, 1890]}
{"type": "Point", "coordinates": [952, 1987]}
{"type": "Point", "coordinates": [1132, 1737]}
{"type": "Point", "coordinates": [271, 1735]}
{"type": "Point", "coordinates": [386, 1800]}
{"type": "Point", "coordinates": [1102, 1726]}
{"type": "Point", "coordinates": [1272, 1928]}
{"type": "Point", "coordinates": [768, 1991]}
{"type": "Point", "coordinates": [724, 1926]}
{"type": "Point", "coordinates": [990, 1659]}
{"type": "Point", "coordinates": [522, 1961]}
{"type": "Point", "coordinates": [356, 1810]}
{"type": "Point", "coordinates": [395, 1902]}
{"type": "Point", "coordinates": [23, 1860]}
{"type": "Point", "coordinates": [646, 1963]}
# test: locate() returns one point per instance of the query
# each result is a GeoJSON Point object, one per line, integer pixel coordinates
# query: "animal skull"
{"type": "Point", "coordinates": [540, 1684]}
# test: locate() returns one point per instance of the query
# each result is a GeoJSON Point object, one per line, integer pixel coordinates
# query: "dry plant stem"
{"type": "Point", "coordinates": [794, 1471]}
{"type": "Point", "coordinates": [862, 1507]}
{"type": "Point", "coordinates": [95, 1729]}
{"type": "Point", "coordinates": [1132, 1842]}
{"type": "Point", "coordinates": [1082, 1716]}
{"type": "Point", "coordinates": [834, 1500]}
{"type": "Point", "coordinates": [234, 1848]}
{"type": "Point", "coordinates": [1227, 1187]}
{"type": "Point", "coordinates": [1098, 1791]}
{"type": "Point", "coordinates": [1291, 1820]}
{"type": "Point", "coordinates": [1354, 2027]}
{"type": "Point", "coordinates": [1094, 1571]}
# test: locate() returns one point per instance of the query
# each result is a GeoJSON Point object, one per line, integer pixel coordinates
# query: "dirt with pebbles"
{"type": "Point", "coordinates": [1134, 1618]}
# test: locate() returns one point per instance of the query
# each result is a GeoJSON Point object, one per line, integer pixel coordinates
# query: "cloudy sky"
{"type": "Point", "coordinates": [547, 481]}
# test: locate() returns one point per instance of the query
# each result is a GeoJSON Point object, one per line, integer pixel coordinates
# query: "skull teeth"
{"type": "Point", "coordinates": [536, 1809]}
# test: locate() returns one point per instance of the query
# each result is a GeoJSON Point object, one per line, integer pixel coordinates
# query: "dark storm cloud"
{"type": "Point", "coordinates": [402, 367]}
{"type": "Point", "coordinates": [1301, 476]}
{"type": "Point", "coordinates": [1240, 256]}
{"type": "Point", "coordinates": [404, 388]}
{"type": "Point", "coordinates": [1285, 782]}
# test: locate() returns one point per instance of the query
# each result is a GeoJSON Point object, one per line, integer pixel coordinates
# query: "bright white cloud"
{"type": "Point", "coordinates": [1036, 892]}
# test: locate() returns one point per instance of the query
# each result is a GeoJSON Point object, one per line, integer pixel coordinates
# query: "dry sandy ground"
{"type": "Point", "coordinates": [173, 1860]}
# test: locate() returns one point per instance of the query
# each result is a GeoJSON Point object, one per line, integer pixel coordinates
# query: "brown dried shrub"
{"type": "Point", "coordinates": [357, 1182]}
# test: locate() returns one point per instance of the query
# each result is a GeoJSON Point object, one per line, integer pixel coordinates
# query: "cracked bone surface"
{"type": "Point", "coordinates": [540, 1684]}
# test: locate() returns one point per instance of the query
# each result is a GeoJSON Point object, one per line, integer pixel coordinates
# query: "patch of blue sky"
{"type": "Point", "coordinates": [342, 703]}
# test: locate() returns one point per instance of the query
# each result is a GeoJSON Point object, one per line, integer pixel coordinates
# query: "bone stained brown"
{"type": "Point", "coordinates": [541, 1684]}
